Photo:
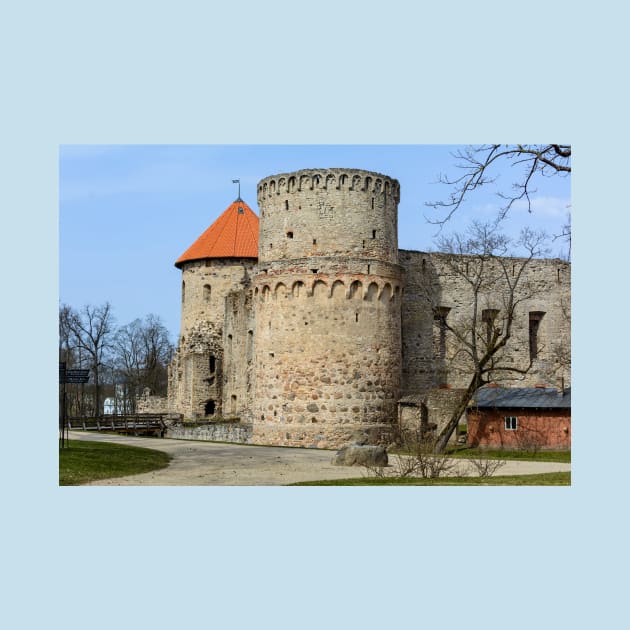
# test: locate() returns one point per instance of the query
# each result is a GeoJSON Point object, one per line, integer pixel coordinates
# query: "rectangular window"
{"type": "Point", "coordinates": [511, 423]}
{"type": "Point", "coordinates": [534, 324]}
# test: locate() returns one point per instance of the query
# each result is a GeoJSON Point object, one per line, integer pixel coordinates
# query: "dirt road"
{"type": "Point", "coordinates": [217, 464]}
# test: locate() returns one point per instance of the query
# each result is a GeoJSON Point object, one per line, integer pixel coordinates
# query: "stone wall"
{"type": "Point", "coordinates": [196, 372]}
{"type": "Point", "coordinates": [328, 212]}
{"type": "Point", "coordinates": [333, 324]}
{"type": "Point", "coordinates": [213, 432]}
{"type": "Point", "coordinates": [327, 302]}
{"type": "Point", "coordinates": [433, 282]}
{"type": "Point", "coordinates": [150, 403]}
{"type": "Point", "coordinates": [205, 285]}
{"type": "Point", "coordinates": [238, 365]}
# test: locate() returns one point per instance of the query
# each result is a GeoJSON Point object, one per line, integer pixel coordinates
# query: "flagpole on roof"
{"type": "Point", "coordinates": [238, 181]}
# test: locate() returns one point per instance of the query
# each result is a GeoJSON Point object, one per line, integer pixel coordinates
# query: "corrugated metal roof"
{"type": "Point", "coordinates": [522, 398]}
{"type": "Point", "coordinates": [233, 235]}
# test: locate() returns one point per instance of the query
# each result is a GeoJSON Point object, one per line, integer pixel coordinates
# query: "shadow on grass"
{"type": "Point", "coordinates": [84, 461]}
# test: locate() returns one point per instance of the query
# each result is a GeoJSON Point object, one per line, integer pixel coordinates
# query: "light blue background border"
{"type": "Point", "coordinates": [200, 72]}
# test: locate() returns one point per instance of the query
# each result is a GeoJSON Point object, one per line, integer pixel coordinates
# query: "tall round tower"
{"type": "Point", "coordinates": [327, 297]}
{"type": "Point", "coordinates": [221, 260]}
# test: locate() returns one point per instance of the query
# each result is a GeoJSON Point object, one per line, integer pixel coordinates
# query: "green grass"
{"type": "Point", "coordinates": [545, 479]}
{"type": "Point", "coordinates": [563, 457]}
{"type": "Point", "coordinates": [85, 461]}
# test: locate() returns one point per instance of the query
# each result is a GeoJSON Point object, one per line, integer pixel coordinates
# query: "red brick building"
{"type": "Point", "coordinates": [525, 418]}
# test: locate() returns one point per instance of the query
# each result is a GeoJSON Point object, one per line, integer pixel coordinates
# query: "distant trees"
{"type": "Point", "coordinates": [142, 351]}
{"type": "Point", "coordinates": [133, 356]}
{"type": "Point", "coordinates": [493, 287]}
{"type": "Point", "coordinates": [89, 335]}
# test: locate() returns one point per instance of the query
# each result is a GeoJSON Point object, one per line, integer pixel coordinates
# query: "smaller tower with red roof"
{"type": "Point", "coordinates": [218, 263]}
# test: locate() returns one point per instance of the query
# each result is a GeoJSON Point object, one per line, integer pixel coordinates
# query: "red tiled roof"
{"type": "Point", "coordinates": [233, 235]}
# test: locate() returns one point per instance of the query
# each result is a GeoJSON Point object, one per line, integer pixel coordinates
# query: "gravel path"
{"type": "Point", "coordinates": [215, 464]}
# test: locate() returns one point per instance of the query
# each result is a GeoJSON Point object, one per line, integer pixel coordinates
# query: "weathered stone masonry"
{"type": "Point", "coordinates": [327, 297]}
{"type": "Point", "coordinates": [327, 330]}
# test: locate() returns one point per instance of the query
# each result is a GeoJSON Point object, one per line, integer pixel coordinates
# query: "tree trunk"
{"type": "Point", "coordinates": [447, 431]}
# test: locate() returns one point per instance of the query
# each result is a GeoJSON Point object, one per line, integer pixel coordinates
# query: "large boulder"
{"type": "Point", "coordinates": [361, 455]}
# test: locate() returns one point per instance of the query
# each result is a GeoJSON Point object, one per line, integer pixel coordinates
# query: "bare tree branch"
{"type": "Point", "coordinates": [477, 162]}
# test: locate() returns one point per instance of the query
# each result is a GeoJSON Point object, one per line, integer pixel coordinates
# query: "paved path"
{"type": "Point", "coordinates": [216, 464]}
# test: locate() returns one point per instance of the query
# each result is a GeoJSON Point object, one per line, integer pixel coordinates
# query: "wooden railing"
{"type": "Point", "coordinates": [132, 423]}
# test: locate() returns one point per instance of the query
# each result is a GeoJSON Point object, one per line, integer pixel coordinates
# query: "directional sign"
{"type": "Point", "coordinates": [74, 376]}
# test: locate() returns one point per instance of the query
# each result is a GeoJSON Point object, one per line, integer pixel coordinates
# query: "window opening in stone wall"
{"type": "Point", "coordinates": [209, 408]}
{"type": "Point", "coordinates": [368, 268]}
{"type": "Point", "coordinates": [314, 270]}
{"type": "Point", "coordinates": [314, 241]}
{"type": "Point", "coordinates": [286, 204]}
{"type": "Point", "coordinates": [534, 324]}
{"type": "Point", "coordinates": [373, 233]}
{"type": "Point", "coordinates": [233, 405]}
{"type": "Point", "coordinates": [183, 291]}
{"type": "Point", "coordinates": [356, 317]}
{"type": "Point", "coordinates": [363, 244]}
{"type": "Point", "coordinates": [372, 203]}
{"type": "Point", "coordinates": [424, 264]}
{"type": "Point", "coordinates": [207, 292]}
{"type": "Point", "coordinates": [488, 316]}
{"type": "Point", "coordinates": [511, 423]}
{"type": "Point", "coordinates": [424, 419]}
{"type": "Point", "coordinates": [289, 234]}
{"type": "Point", "coordinates": [558, 276]}
{"type": "Point", "coordinates": [439, 316]}
{"type": "Point", "coordinates": [270, 245]}
{"type": "Point", "coordinates": [212, 364]}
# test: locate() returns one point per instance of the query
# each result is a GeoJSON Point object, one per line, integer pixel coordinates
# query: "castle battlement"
{"type": "Point", "coordinates": [309, 324]}
{"type": "Point", "coordinates": [355, 180]}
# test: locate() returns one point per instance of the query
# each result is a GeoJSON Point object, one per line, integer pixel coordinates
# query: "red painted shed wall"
{"type": "Point", "coordinates": [536, 427]}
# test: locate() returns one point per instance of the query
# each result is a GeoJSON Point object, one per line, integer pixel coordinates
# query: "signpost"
{"type": "Point", "coordinates": [68, 376]}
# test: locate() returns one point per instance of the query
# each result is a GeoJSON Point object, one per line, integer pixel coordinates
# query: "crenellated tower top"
{"type": "Point", "coordinates": [328, 212]}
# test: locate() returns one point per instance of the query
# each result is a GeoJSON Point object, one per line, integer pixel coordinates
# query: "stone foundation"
{"type": "Point", "coordinates": [216, 432]}
{"type": "Point", "coordinates": [332, 437]}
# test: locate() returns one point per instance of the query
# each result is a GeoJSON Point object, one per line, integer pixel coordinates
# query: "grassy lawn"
{"type": "Point", "coordinates": [88, 461]}
{"type": "Point", "coordinates": [546, 479]}
{"type": "Point", "coordinates": [563, 457]}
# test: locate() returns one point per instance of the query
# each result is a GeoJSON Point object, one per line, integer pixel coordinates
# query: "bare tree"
{"type": "Point", "coordinates": [128, 351]}
{"type": "Point", "coordinates": [66, 349]}
{"type": "Point", "coordinates": [142, 352]}
{"type": "Point", "coordinates": [158, 351]}
{"type": "Point", "coordinates": [91, 330]}
{"type": "Point", "coordinates": [493, 287]}
{"type": "Point", "coordinates": [479, 166]}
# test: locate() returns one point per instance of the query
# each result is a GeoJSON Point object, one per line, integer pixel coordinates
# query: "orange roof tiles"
{"type": "Point", "coordinates": [233, 235]}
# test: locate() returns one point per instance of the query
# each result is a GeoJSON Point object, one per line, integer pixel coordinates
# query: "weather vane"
{"type": "Point", "coordinates": [238, 181]}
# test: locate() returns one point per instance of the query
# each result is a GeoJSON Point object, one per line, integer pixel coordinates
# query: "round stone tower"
{"type": "Point", "coordinates": [220, 261]}
{"type": "Point", "coordinates": [327, 297]}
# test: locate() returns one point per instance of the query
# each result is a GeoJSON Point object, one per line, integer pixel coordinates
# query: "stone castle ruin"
{"type": "Point", "coordinates": [307, 324]}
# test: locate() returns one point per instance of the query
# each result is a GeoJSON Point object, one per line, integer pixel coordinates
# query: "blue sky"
{"type": "Point", "coordinates": [128, 212]}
